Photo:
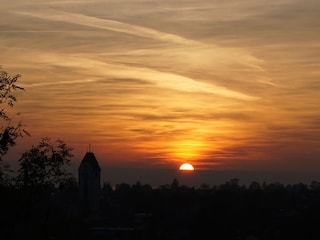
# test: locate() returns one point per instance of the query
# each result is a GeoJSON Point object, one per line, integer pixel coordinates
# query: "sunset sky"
{"type": "Point", "coordinates": [225, 85]}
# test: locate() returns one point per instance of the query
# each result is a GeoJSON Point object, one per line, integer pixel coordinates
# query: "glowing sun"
{"type": "Point", "coordinates": [186, 167]}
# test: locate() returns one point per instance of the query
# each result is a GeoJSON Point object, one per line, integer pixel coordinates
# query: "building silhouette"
{"type": "Point", "coordinates": [89, 185]}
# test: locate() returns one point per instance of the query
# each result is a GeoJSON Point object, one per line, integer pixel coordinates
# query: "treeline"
{"type": "Point", "coordinates": [226, 211]}
{"type": "Point", "coordinates": [172, 211]}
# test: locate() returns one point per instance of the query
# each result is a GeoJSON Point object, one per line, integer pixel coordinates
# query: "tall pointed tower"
{"type": "Point", "coordinates": [89, 185]}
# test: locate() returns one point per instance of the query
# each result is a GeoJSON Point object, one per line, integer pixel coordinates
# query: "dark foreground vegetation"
{"type": "Point", "coordinates": [228, 211]}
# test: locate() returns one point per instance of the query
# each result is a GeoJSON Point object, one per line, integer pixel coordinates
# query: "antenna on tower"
{"type": "Point", "coordinates": [89, 147]}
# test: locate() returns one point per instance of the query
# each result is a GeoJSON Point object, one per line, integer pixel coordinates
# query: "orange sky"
{"type": "Point", "coordinates": [221, 84]}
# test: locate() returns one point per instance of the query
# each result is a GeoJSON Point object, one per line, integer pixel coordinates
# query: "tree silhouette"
{"type": "Point", "coordinates": [44, 165]}
{"type": "Point", "coordinates": [9, 130]}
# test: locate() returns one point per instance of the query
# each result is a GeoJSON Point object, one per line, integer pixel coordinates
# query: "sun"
{"type": "Point", "coordinates": [186, 167]}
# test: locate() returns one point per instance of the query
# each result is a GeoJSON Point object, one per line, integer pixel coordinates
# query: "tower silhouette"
{"type": "Point", "coordinates": [89, 185]}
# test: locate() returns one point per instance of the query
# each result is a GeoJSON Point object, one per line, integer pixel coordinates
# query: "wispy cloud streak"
{"type": "Point", "coordinates": [107, 24]}
{"type": "Point", "coordinates": [160, 78]}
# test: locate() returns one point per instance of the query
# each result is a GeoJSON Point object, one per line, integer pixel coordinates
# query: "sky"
{"type": "Point", "coordinates": [224, 85]}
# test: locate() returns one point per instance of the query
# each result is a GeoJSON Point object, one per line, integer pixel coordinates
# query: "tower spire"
{"type": "Point", "coordinates": [89, 185]}
{"type": "Point", "coordinates": [89, 147]}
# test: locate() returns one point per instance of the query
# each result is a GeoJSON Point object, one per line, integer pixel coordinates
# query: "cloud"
{"type": "Point", "coordinates": [45, 84]}
{"type": "Point", "coordinates": [185, 61]}
{"type": "Point", "coordinates": [107, 24]}
{"type": "Point", "coordinates": [159, 78]}
{"type": "Point", "coordinates": [229, 54]}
